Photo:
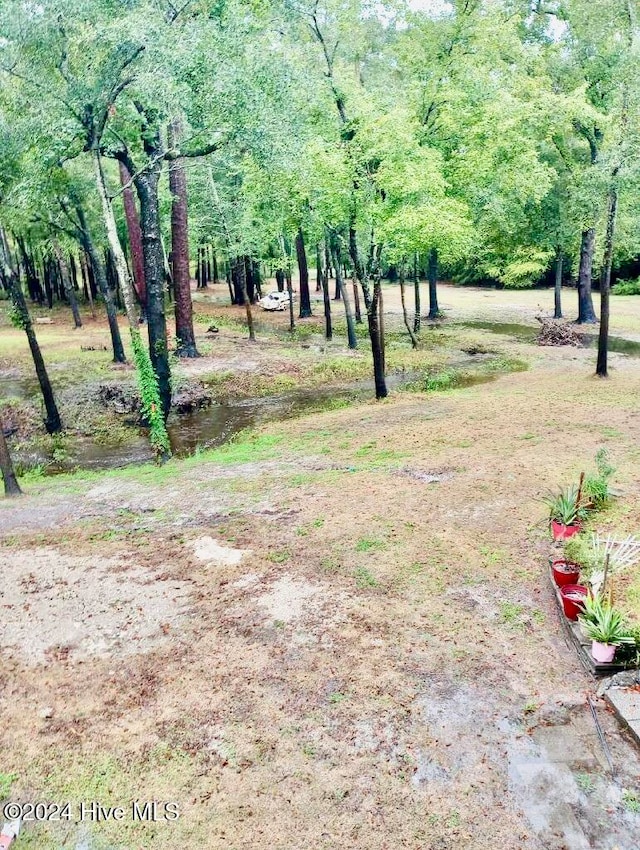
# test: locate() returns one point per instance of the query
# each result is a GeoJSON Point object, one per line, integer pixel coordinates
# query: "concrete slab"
{"type": "Point", "coordinates": [625, 701]}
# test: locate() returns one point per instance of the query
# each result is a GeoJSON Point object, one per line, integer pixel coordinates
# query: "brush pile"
{"type": "Point", "coordinates": [557, 332]}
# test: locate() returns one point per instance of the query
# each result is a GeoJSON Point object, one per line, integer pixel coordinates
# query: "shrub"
{"type": "Point", "coordinates": [626, 287]}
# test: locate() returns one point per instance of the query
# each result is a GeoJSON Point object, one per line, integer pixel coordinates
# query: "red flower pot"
{"type": "Point", "coordinates": [563, 532]}
{"type": "Point", "coordinates": [564, 572]}
{"type": "Point", "coordinates": [573, 596]}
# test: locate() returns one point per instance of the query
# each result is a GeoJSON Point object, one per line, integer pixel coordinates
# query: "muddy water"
{"type": "Point", "coordinates": [527, 333]}
{"type": "Point", "coordinates": [211, 426]}
{"type": "Point", "coordinates": [203, 428]}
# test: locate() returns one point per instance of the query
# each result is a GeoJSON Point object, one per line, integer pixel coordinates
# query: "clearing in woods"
{"type": "Point", "coordinates": [335, 632]}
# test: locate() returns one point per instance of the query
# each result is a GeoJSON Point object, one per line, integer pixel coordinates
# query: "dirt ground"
{"type": "Point", "coordinates": [337, 632]}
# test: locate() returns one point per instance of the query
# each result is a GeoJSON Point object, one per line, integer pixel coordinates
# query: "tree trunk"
{"type": "Point", "coordinates": [605, 285]}
{"type": "Point", "coordinates": [103, 285]}
{"type": "Point", "coordinates": [373, 318]}
{"type": "Point", "coordinates": [586, 313]}
{"type": "Point", "coordinates": [248, 276]}
{"type": "Point", "coordinates": [416, 294]}
{"type": "Point", "coordinates": [319, 271]}
{"type": "Point", "coordinates": [305, 296]}
{"type": "Point", "coordinates": [154, 272]}
{"type": "Point", "coordinates": [432, 273]}
{"type": "Point", "coordinates": [242, 281]}
{"type": "Point", "coordinates": [557, 292]}
{"type": "Point", "coordinates": [326, 297]}
{"type": "Point", "coordinates": [185, 335]}
{"type": "Point", "coordinates": [11, 486]}
{"type": "Point", "coordinates": [135, 235]}
{"type": "Point", "coordinates": [214, 264]}
{"type": "Point", "coordinates": [52, 423]}
{"type": "Point", "coordinates": [405, 315]}
{"type": "Point", "coordinates": [85, 283]}
{"type": "Point", "coordinates": [116, 253]}
{"type": "Point", "coordinates": [68, 285]}
{"type": "Point", "coordinates": [351, 330]}
{"type": "Point", "coordinates": [280, 279]}
{"type": "Point", "coordinates": [33, 284]}
{"type": "Point", "coordinates": [356, 300]}
{"type": "Point", "coordinates": [152, 403]}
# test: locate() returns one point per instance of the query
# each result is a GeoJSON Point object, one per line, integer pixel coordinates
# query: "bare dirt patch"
{"type": "Point", "coordinates": [61, 606]}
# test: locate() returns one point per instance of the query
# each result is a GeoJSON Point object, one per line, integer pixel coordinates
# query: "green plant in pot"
{"type": "Point", "coordinates": [566, 512]}
{"type": "Point", "coordinates": [605, 626]}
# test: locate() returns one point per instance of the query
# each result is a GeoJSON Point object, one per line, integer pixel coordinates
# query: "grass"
{"type": "Point", "coordinates": [369, 544]}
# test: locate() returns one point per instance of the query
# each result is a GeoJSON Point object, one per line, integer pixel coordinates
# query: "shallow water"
{"type": "Point", "coordinates": [208, 427]}
{"type": "Point", "coordinates": [214, 425]}
{"type": "Point", "coordinates": [527, 333]}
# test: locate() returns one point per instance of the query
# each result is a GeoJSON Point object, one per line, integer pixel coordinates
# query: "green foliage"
{"type": "Point", "coordinates": [6, 781]}
{"type": "Point", "coordinates": [564, 506]}
{"type": "Point", "coordinates": [150, 398]}
{"type": "Point", "coordinates": [604, 623]}
{"type": "Point", "coordinates": [579, 550]}
{"type": "Point", "coordinates": [16, 317]}
{"type": "Point", "coordinates": [626, 287]}
{"type": "Point", "coordinates": [596, 486]}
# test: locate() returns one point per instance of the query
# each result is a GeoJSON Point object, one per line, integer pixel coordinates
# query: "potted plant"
{"type": "Point", "coordinates": [566, 512]}
{"type": "Point", "coordinates": [605, 626]}
{"type": "Point", "coordinates": [564, 572]}
{"type": "Point", "coordinates": [573, 599]}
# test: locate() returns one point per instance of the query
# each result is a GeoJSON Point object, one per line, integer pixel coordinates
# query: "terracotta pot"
{"type": "Point", "coordinates": [564, 572]}
{"type": "Point", "coordinates": [603, 652]}
{"type": "Point", "coordinates": [573, 600]}
{"type": "Point", "coordinates": [564, 532]}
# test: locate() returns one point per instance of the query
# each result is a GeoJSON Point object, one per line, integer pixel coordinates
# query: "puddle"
{"type": "Point", "coordinates": [527, 333]}
{"type": "Point", "coordinates": [549, 767]}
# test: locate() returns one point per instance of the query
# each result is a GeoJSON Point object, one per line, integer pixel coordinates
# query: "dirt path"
{"type": "Point", "coordinates": [338, 635]}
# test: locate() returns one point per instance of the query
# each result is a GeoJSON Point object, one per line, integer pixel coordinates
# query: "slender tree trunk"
{"type": "Point", "coordinates": [319, 271]}
{"type": "Point", "coordinates": [103, 285]}
{"type": "Point", "coordinates": [405, 315]}
{"type": "Point", "coordinates": [214, 263]}
{"type": "Point", "coordinates": [605, 285]}
{"type": "Point", "coordinates": [85, 283]}
{"type": "Point", "coordinates": [416, 294]}
{"type": "Point", "coordinates": [434, 310]}
{"type": "Point", "coordinates": [381, 325]}
{"type": "Point", "coordinates": [586, 313]}
{"type": "Point", "coordinates": [33, 284]}
{"type": "Point", "coordinates": [328, 328]}
{"type": "Point", "coordinates": [242, 279]}
{"type": "Point", "coordinates": [356, 300]}
{"type": "Point", "coordinates": [11, 486]}
{"type": "Point", "coordinates": [52, 423]}
{"type": "Point", "coordinates": [305, 296]}
{"type": "Point", "coordinates": [375, 335]}
{"type": "Point", "coordinates": [117, 254]}
{"type": "Point", "coordinates": [557, 292]}
{"type": "Point", "coordinates": [186, 340]}
{"type": "Point", "coordinates": [351, 330]}
{"type": "Point", "coordinates": [135, 235]}
{"type": "Point", "coordinates": [68, 285]}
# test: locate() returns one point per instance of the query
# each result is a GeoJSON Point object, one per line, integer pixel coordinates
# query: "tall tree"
{"type": "Point", "coordinates": [185, 335]}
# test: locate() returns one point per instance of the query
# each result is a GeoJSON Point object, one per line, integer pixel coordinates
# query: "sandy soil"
{"type": "Point", "coordinates": [380, 667]}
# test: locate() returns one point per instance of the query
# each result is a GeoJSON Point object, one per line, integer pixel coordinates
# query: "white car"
{"type": "Point", "coordinates": [275, 301]}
